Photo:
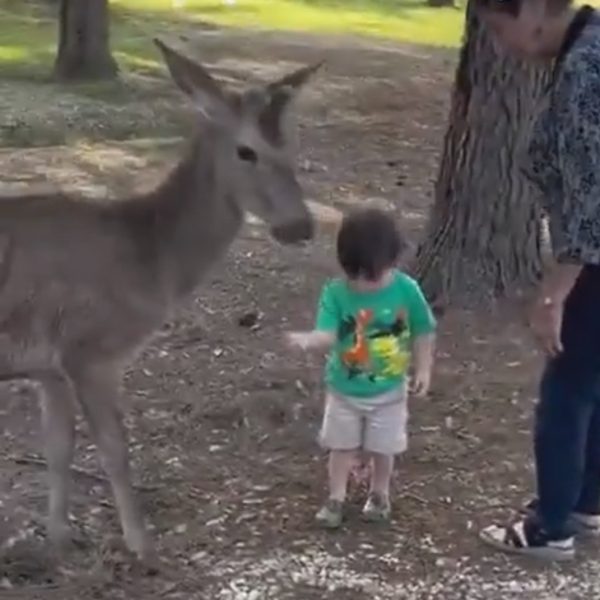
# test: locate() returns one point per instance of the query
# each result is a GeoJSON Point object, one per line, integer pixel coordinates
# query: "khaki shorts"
{"type": "Point", "coordinates": [380, 427]}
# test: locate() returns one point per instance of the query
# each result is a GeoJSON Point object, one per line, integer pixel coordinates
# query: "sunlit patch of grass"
{"type": "Point", "coordinates": [28, 30]}
{"type": "Point", "coordinates": [14, 53]}
{"type": "Point", "coordinates": [32, 114]}
{"type": "Point", "coordinates": [408, 21]}
{"type": "Point", "coordinates": [27, 40]}
{"type": "Point", "coordinates": [139, 64]}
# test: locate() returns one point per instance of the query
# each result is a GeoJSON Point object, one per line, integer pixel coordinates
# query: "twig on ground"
{"type": "Point", "coordinates": [405, 491]}
{"type": "Point", "coordinates": [419, 483]}
{"type": "Point", "coordinates": [414, 496]}
{"type": "Point", "coordinates": [40, 462]}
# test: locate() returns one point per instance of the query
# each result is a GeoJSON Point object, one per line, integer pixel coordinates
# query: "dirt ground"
{"type": "Point", "coordinates": [223, 417]}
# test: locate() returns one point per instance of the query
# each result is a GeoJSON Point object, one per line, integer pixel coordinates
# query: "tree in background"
{"type": "Point", "coordinates": [83, 47]}
{"type": "Point", "coordinates": [484, 232]}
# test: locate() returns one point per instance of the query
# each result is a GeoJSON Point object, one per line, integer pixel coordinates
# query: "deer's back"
{"type": "Point", "coordinates": [77, 276]}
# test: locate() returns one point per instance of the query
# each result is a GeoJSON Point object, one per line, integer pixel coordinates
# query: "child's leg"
{"type": "Point", "coordinates": [383, 467]}
{"type": "Point", "coordinates": [377, 507]}
{"type": "Point", "coordinates": [385, 436]}
{"type": "Point", "coordinates": [340, 465]}
{"type": "Point", "coordinates": [341, 434]}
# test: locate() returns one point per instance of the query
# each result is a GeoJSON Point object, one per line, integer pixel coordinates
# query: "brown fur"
{"type": "Point", "coordinates": [83, 285]}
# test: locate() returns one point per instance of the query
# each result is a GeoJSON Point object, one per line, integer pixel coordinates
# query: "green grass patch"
{"type": "Point", "coordinates": [34, 114]}
{"type": "Point", "coordinates": [405, 20]}
{"type": "Point", "coordinates": [28, 29]}
{"type": "Point", "coordinates": [27, 39]}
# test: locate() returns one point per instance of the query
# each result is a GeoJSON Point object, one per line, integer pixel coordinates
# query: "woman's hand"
{"type": "Point", "coordinates": [545, 321]}
{"type": "Point", "coordinates": [546, 316]}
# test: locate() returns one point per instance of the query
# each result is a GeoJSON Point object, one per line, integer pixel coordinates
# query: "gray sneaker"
{"type": "Point", "coordinates": [331, 514]}
{"type": "Point", "coordinates": [586, 525]}
{"type": "Point", "coordinates": [583, 525]}
{"type": "Point", "coordinates": [377, 509]}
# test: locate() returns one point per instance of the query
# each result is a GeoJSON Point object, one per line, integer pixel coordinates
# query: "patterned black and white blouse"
{"type": "Point", "coordinates": [564, 150]}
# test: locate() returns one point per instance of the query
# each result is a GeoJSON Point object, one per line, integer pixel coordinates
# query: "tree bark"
{"type": "Point", "coordinates": [83, 47]}
{"type": "Point", "coordinates": [484, 232]}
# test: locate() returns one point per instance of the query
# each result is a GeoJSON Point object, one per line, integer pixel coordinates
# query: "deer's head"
{"type": "Point", "coordinates": [255, 159]}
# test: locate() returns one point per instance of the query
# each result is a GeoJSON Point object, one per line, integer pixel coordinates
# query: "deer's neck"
{"type": "Point", "coordinates": [195, 215]}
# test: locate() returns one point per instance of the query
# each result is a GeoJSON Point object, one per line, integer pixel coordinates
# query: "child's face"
{"type": "Point", "coordinates": [371, 285]}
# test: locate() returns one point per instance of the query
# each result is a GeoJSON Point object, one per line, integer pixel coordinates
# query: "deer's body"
{"type": "Point", "coordinates": [83, 278]}
{"type": "Point", "coordinates": [83, 285]}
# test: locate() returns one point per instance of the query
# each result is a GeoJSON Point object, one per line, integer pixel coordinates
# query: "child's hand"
{"type": "Point", "coordinates": [306, 340]}
{"type": "Point", "coordinates": [421, 383]}
{"type": "Point", "coordinates": [299, 339]}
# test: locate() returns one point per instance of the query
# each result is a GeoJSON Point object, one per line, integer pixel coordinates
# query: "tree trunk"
{"type": "Point", "coordinates": [83, 47]}
{"type": "Point", "coordinates": [484, 233]}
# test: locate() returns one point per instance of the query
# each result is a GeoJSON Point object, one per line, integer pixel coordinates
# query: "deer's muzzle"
{"type": "Point", "coordinates": [294, 232]}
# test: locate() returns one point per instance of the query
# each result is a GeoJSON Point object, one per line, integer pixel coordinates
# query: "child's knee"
{"type": "Point", "coordinates": [344, 455]}
{"type": "Point", "coordinates": [379, 455]}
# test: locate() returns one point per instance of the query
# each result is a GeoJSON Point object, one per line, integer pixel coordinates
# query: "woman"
{"type": "Point", "coordinates": [563, 162]}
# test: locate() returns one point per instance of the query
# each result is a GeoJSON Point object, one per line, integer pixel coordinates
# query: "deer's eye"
{"type": "Point", "coordinates": [246, 154]}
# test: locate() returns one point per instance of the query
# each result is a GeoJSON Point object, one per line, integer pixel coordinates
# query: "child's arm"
{"type": "Point", "coordinates": [323, 336]}
{"type": "Point", "coordinates": [311, 340]}
{"type": "Point", "coordinates": [423, 326]}
{"type": "Point", "coordinates": [423, 356]}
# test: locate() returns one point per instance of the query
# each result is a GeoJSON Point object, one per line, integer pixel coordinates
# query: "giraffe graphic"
{"type": "Point", "coordinates": [357, 358]}
{"type": "Point", "coordinates": [379, 348]}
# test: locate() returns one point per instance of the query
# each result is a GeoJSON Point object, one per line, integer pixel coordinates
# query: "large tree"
{"type": "Point", "coordinates": [484, 235]}
{"type": "Point", "coordinates": [83, 46]}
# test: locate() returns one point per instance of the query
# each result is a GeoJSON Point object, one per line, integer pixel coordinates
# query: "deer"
{"type": "Point", "coordinates": [84, 285]}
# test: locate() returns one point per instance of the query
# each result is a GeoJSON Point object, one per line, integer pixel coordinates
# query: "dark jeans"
{"type": "Point", "coordinates": [567, 431]}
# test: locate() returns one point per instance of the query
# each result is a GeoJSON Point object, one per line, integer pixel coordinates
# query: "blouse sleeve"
{"type": "Point", "coordinates": [575, 225]}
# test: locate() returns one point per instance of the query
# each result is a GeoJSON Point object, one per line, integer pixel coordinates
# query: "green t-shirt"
{"type": "Point", "coordinates": [374, 332]}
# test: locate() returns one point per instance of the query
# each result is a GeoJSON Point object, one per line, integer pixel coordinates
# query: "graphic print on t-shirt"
{"type": "Point", "coordinates": [378, 348]}
{"type": "Point", "coordinates": [374, 333]}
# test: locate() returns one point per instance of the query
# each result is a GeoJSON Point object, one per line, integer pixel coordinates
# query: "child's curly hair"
{"type": "Point", "coordinates": [368, 244]}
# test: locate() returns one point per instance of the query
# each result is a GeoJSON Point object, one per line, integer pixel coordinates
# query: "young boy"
{"type": "Point", "coordinates": [372, 321]}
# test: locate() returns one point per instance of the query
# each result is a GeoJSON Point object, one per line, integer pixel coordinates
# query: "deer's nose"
{"type": "Point", "coordinates": [301, 230]}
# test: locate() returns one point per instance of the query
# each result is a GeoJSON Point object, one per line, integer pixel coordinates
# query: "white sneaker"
{"type": "Point", "coordinates": [586, 525]}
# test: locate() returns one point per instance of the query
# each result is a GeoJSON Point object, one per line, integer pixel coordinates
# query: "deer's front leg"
{"type": "Point", "coordinates": [58, 428]}
{"type": "Point", "coordinates": [97, 390]}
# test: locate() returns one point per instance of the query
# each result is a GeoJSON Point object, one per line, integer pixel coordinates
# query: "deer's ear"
{"type": "Point", "coordinates": [283, 90]}
{"type": "Point", "coordinates": [295, 80]}
{"type": "Point", "coordinates": [287, 87]}
{"type": "Point", "coordinates": [193, 79]}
